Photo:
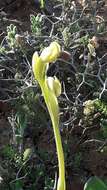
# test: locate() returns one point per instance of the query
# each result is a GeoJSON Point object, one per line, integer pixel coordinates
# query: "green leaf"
{"type": "Point", "coordinates": [18, 185]}
{"type": "Point", "coordinates": [94, 183]}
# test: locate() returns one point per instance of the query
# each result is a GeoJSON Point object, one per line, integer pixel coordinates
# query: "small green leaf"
{"type": "Point", "coordinates": [94, 183]}
{"type": "Point", "coordinates": [18, 185]}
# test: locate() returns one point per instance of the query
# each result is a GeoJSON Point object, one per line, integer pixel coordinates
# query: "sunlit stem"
{"type": "Point", "coordinates": [53, 108]}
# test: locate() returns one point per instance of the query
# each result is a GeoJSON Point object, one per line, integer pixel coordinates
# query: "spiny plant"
{"type": "Point", "coordinates": [97, 105]}
{"type": "Point", "coordinates": [51, 89]}
{"type": "Point", "coordinates": [36, 22]}
{"type": "Point", "coordinates": [11, 32]}
{"type": "Point", "coordinates": [91, 106]}
{"type": "Point", "coordinates": [101, 106]}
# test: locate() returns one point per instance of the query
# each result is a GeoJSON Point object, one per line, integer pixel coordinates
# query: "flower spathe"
{"type": "Point", "coordinates": [40, 63]}
{"type": "Point", "coordinates": [51, 53]}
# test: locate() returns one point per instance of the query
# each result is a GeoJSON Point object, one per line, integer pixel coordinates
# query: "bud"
{"type": "Point", "coordinates": [51, 53]}
{"type": "Point", "coordinates": [54, 85]}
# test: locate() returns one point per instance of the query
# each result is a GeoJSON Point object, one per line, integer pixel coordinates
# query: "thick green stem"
{"type": "Point", "coordinates": [61, 180]}
{"type": "Point", "coordinates": [52, 105]}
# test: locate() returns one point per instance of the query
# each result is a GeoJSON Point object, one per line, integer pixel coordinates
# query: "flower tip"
{"type": "Point", "coordinates": [35, 57]}
{"type": "Point", "coordinates": [55, 45]}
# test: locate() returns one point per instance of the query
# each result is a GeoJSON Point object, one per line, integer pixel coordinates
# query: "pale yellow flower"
{"type": "Point", "coordinates": [51, 53]}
